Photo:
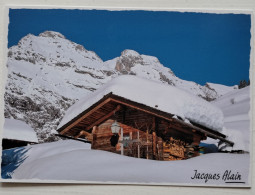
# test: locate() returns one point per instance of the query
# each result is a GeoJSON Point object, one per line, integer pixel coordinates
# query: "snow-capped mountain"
{"type": "Point", "coordinates": [48, 73]}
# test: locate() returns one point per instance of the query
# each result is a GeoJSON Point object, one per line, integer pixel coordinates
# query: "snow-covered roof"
{"type": "Point", "coordinates": [156, 95]}
{"type": "Point", "coordinates": [18, 130]}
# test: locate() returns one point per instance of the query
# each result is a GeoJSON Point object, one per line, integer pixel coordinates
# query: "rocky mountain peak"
{"type": "Point", "coordinates": [26, 39]}
{"type": "Point", "coordinates": [127, 60]}
{"type": "Point", "coordinates": [129, 52]}
{"type": "Point", "coordinates": [52, 34]}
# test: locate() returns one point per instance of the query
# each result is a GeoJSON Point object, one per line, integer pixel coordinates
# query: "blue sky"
{"type": "Point", "coordinates": [198, 47]}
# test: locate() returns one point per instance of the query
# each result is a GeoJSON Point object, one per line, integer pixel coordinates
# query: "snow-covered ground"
{"type": "Point", "coordinates": [75, 161]}
{"type": "Point", "coordinates": [236, 109]}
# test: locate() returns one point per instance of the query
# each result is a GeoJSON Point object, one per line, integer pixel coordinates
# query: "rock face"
{"type": "Point", "coordinates": [48, 73]}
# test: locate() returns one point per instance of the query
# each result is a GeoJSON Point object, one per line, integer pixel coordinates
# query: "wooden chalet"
{"type": "Point", "coordinates": [147, 132]}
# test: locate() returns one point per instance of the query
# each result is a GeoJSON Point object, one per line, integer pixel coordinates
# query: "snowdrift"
{"type": "Point", "coordinates": [75, 161]}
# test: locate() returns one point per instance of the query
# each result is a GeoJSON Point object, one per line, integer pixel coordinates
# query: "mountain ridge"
{"type": "Point", "coordinates": [48, 73]}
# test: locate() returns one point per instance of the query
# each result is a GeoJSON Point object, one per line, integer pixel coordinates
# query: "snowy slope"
{"type": "Point", "coordinates": [168, 98]}
{"type": "Point", "coordinates": [74, 161]}
{"type": "Point", "coordinates": [48, 73]}
{"type": "Point", "coordinates": [221, 89]}
{"type": "Point", "coordinates": [235, 106]}
{"type": "Point", "coordinates": [18, 130]}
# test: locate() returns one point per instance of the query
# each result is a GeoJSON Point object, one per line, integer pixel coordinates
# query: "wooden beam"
{"type": "Point", "coordinates": [85, 133]}
{"type": "Point", "coordinates": [69, 137]}
{"type": "Point", "coordinates": [95, 130]}
{"type": "Point", "coordinates": [84, 116]}
{"type": "Point", "coordinates": [156, 126]}
{"type": "Point", "coordinates": [124, 114]}
{"type": "Point", "coordinates": [94, 137]}
{"type": "Point", "coordinates": [154, 144]}
{"type": "Point", "coordinates": [104, 118]}
{"type": "Point", "coordinates": [153, 124]}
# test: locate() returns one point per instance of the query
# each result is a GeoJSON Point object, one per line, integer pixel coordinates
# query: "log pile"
{"type": "Point", "coordinates": [174, 149]}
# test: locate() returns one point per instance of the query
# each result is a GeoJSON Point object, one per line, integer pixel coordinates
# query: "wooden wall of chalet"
{"type": "Point", "coordinates": [179, 142]}
{"type": "Point", "coordinates": [160, 139]}
{"type": "Point", "coordinates": [150, 146]}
